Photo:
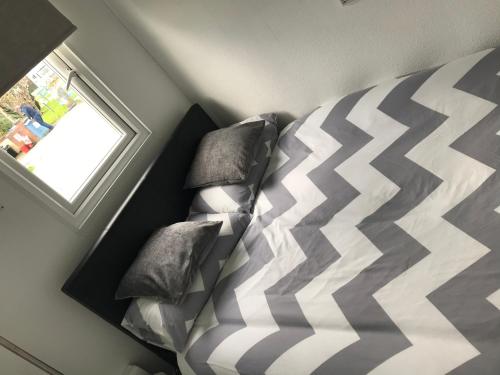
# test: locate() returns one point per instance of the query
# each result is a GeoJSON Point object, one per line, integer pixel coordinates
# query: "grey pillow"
{"type": "Point", "coordinates": [165, 265]}
{"type": "Point", "coordinates": [168, 326]}
{"type": "Point", "coordinates": [240, 197]}
{"type": "Point", "coordinates": [225, 156]}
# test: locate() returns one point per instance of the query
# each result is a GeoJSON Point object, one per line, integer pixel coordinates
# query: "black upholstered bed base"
{"type": "Point", "coordinates": [158, 200]}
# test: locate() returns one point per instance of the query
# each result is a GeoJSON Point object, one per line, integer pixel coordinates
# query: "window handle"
{"type": "Point", "coordinates": [72, 74]}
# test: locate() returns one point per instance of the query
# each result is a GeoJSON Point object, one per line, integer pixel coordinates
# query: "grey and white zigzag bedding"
{"type": "Point", "coordinates": [375, 242]}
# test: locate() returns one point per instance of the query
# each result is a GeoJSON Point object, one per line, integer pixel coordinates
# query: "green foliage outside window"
{"type": "Point", "coordinates": [5, 125]}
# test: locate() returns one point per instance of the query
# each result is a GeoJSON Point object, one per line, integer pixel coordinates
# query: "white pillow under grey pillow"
{"type": "Point", "coordinates": [240, 197]}
{"type": "Point", "coordinates": [167, 325]}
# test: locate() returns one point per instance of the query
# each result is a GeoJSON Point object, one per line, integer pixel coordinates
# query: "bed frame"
{"type": "Point", "coordinates": [157, 200]}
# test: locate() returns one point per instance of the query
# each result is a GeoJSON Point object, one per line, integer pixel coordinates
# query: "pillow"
{"type": "Point", "coordinates": [165, 265]}
{"type": "Point", "coordinates": [168, 325]}
{"type": "Point", "coordinates": [225, 156]}
{"type": "Point", "coordinates": [240, 197]}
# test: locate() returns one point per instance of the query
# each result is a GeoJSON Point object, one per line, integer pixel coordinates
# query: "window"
{"type": "Point", "coordinates": [64, 136]}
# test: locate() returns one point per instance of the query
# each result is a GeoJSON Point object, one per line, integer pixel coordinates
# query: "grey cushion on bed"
{"type": "Point", "coordinates": [165, 265]}
{"type": "Point", "coordinates": [240, 197]}
{"type": "Point", "coordinates": [168, 326]}
{"type": "Point", "coordinates": [225, 156]}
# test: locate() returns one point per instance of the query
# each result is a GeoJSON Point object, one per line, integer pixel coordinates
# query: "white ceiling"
{"type": "Point", "coordinates": [242, 57]}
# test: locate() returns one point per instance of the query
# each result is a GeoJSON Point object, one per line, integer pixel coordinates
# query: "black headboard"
{"type": "Point", "coordinates": [158, 200]}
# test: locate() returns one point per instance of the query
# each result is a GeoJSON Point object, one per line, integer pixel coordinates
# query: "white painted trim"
{"type": "Point", "coordinates": [28, 357]}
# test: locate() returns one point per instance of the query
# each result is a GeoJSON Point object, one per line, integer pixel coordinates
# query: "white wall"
{"type": "Point", "coordinates": [240, 57]}
{"type": "Point", "coordinates": [38, 251]}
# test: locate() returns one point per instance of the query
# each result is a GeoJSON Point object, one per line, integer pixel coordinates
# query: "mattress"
{"type": "Point", "coordinates": [375, 241]}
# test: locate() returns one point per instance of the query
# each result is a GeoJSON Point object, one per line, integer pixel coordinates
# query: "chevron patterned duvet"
{"type": "Point", "coordinates": [375, 242]}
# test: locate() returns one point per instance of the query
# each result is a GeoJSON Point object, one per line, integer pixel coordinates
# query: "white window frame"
{"type": "Point", "coordinates": [93, 90]}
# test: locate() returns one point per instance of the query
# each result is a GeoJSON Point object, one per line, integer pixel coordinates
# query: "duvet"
{"type": "Point", "coordinates": [375, 241]}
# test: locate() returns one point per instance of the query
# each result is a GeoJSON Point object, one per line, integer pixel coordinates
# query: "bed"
{"type": "Point", "coordinates": [374, 244]}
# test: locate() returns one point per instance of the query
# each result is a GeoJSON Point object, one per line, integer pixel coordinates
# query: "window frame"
{"type": "Point", "coordinates": [100, 97]}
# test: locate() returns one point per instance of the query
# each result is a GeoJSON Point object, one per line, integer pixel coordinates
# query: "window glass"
{"type": "Point", "coordinates": [56, 134]}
